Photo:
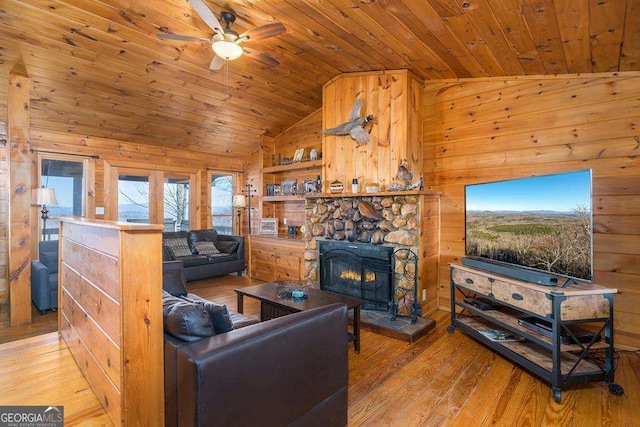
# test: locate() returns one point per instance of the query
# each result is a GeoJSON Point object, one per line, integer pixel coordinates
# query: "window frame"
{"type": "Point", "coordinates": [88, 172]}
{"type": "Point", "coordinates": [134, 172]}
{"type": "Point", "coordinates": [192, 193]}
{"type": "Point", "coordinates": [156, 192]}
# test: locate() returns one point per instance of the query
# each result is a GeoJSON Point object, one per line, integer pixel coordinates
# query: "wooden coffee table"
{"type": "Point", "coordinates": [271, 306]}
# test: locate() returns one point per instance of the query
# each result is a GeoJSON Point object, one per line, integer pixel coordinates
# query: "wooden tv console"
{"type": "Point", "coordinates": [548, 357]}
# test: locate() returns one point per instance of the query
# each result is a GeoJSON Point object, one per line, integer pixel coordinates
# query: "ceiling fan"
{"type": "Point", "coordinates": [226, 43]}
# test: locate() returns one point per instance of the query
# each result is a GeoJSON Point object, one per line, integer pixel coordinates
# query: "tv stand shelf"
{"type": "Point", "coordinates": [560, 364]}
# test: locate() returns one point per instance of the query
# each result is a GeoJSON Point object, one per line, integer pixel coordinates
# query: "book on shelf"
{"type": "Point", "coordinates": [500, 336]}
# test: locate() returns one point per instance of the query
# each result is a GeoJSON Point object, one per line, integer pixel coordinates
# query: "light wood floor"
{"type": "Point", "coordinates": [442, 379]}
{"type": "Point", "coordinates": [39, 325]}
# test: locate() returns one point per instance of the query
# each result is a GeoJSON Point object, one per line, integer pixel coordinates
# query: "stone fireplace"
{"type": "Point", "coordinates": [387, 221]}
{"type": "Point", "coordinates": [360, 270]}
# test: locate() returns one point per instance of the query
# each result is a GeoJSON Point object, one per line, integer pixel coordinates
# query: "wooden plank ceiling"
{"type": "Point", "coordinates": [98, 68]}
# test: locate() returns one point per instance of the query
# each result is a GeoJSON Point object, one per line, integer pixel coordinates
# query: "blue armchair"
{"type": "Point", "coordinates": [44, 277]}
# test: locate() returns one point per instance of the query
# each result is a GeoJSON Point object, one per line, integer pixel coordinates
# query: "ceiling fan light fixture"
{"type": "Point", "coordinates": [226, 49]}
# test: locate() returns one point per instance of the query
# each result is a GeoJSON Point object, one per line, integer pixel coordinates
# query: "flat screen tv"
{"type": "Point", "coordinates": [542, 223]}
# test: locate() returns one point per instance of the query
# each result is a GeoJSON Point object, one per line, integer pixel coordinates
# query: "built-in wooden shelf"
{"type": "Point", "coordinates": [312, 164]}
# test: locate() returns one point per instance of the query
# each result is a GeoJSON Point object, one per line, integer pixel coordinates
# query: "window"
{"type": "Point", "coordinates": [67, 179]}
{"type": "Point", "coordinates": [133, 198]}
{"type": "Point", "coordinates": [176, 204]}
{"type": "Point", "coordinates": [221, 198]}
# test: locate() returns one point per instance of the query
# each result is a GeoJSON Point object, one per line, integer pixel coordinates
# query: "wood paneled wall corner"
{"type": "Point", "coordinates": [428, 253]}
{"type": "Point", "coordinates": [251, 175]}
{"type": "Point", "coordinates": [481, 130]}
{"type": "Point", "coordinates": [307, 134]}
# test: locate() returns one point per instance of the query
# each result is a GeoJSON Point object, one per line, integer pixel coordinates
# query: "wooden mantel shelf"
{"type": "Point", "coordinates": [283, 198]}
{"type": "Point", "coordinates": [378, 194]}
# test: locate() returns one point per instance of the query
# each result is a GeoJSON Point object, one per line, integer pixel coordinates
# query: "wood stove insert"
{"type": "Point", "coordinates": [358, 270]}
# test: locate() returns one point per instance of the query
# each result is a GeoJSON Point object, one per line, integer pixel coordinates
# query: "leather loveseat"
{"type": "Point", "coordinates": [292, 370]}
{"type": "Point", "coordinates": [198, 263]}
{"type": "Point", "coordinates": [289, 371]}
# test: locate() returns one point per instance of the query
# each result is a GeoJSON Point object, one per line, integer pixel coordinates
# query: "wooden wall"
{"type": "Point", "coordinates": [485, 130]}
{"type": "Point", "coordinates": [115, 153]}
{"type": "Point", "coordinates": [304, 134]}
{"type": "Point", "coordinates": [394, 99]}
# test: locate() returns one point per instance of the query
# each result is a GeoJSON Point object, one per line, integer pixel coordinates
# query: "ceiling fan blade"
{"type": "Point", "coordinates": [167, 36]}
{"type": "Point", "coordinates": [262, 57]}
{"type": "Point", "coordinates": [264, 31]}
{"type": "Point", "coordinates": [216, 63]}
{"type": "Point", "coordinates": [207, 15]}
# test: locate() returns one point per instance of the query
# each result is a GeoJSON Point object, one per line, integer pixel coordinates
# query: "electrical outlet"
{"type": "Point", "coordinates": [284, 221]}
{"type": "Point", "coordinates": [424, 295]}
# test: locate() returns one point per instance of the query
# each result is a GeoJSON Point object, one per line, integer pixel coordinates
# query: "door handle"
{"type": "Point", "coordinates": [517, 297]}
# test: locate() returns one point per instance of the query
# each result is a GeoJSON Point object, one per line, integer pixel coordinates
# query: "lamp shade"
{"type": "Point", "coordinates": [239, 201]}
{"type": "Point", "coordinates": [44, 196]}
{"type": "Point", "coordinates": [226, 49]}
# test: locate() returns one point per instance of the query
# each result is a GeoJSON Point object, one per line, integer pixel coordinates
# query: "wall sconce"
{"type": "Point", "coordinates": [43, 197]}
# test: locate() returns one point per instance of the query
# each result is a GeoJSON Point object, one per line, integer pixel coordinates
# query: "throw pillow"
{"type": "Point", "coordinates": [219, 315]}
{"type": "Point", "coordinates": [178, 247]}
{"type": "Point", "coordinates": [186, 321]}
{"type": "Point", "coordinates": [174, 283]}
{"type": "Point", "coordinates": [202, 236]}
{"type": "Point", "coordinates": [227, 246]}
{"type": "Point", "coordinates": [205, 248]}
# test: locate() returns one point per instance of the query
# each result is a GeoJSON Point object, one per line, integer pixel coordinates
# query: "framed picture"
{"type": "Point", "coordinates": [297, 157]}
{"type": "Point", "coordinates": [269, 226]}
{"type": "Point", "coordinates": [289, 188]}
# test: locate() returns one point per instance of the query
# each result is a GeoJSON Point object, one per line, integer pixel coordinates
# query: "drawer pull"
{"type": "Point", "coordinates": [469, 281]}
{"type": "Point", "coordinates": [517, 297]}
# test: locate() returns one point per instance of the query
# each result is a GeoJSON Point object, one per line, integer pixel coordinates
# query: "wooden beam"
{"type": "Point", "coordinates": [20, 199]}
{"type": "Point", "coordinates": [4, 211]}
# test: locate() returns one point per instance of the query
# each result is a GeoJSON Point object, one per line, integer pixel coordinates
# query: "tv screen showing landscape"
{"type": "Point", "coordinates": [542, 222]}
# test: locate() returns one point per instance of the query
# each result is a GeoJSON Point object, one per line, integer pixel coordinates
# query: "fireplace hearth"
{"type": "Point", "coordinates": [359, 270]}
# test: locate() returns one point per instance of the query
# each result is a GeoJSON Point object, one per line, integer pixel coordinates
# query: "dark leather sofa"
{"type": "Point", "coordinates": [197, 266]}
{"type": "Point", "coordinates": [289, 371]}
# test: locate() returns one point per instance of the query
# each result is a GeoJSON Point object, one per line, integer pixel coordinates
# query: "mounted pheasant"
{"type": "Point", "coordinates": [355, 126]}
